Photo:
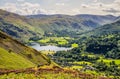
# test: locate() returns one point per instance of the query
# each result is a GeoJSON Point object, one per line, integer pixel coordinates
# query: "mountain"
{"type": "Point", "coordinates": [53, 23]}
{"type": "Point", "coordinates": [17, 26]}
{"type": "Point", "coordinates": [105, 29]}
{"type": "Point", "coordinates": [118, 18]}
{"type": "Point", "coordinates": [25, 27]}
{"type": "Point", "coordinates": [100, 19]}
{"type": "Point", "coordinates": [77, 23]}
{"type": "Point", "coordinates": [14, 55]}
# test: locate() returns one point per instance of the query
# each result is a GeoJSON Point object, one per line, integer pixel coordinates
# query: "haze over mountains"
{"type": "Point", "coordinates": [37, 25]}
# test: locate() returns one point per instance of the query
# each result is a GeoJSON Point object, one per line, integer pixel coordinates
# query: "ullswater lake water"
{"type": "Point", "coordinates": [48, 47]}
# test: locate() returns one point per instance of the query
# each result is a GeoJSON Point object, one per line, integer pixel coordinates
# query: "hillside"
{"type": "Point", "coordinates": [16, 55]}
{"type": "Point", "coordinates": [19, 61]}
{"type": "Point", "coordinates": [100, 19]}
{"type": "Point", "coordinates": [17, 26]}
{"type": "Point", "coordinates": [65, 23]}
{"type": "Point", "coordinates": [107, 29]}
{"type": "Point", "coordinates": [13, 61]}
{"type": "Point", "coordinates": [25, 27]}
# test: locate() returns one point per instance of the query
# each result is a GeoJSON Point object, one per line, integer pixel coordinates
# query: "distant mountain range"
{"type": "Point", "coordinates": [100, 19]}
{"type": "Point", "coordinates": [25, 27]}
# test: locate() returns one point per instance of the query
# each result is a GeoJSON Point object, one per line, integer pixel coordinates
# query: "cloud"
{"type": "Point", "coordinates": [25, 8]}
{"type": "Point", "coordinates": [64, 7]}
{"type": "Point", "coordinates": [100, 8]}
{"type": "Point", "coordinates": [84, 6]}
{"type": "Point", "coordinates": [95, 0]}
{"type": "Point", "coordinates": [60, 4]}
{"type": "Point", "coordinates": [9, 7]}
{"type": "Point", "coordinates": [20, 0]}
{"type": "Point", "coordinates": [30, 5]}
{"type": "Point", "coordinates": [112, 10]}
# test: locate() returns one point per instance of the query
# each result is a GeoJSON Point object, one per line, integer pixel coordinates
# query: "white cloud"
{"type": "Point", "coordinates": [9, 7]}
{"type": "Point", "coordinates": [60, 4]}
{"type": "Point", "coordinates": [96, 7]}
{"type": "Point", "coordinates": [100, 8]}
{"type": "Point", "coordinates": [112, 10]}
{"type": "Point", "coordinates": [95, 0]}
{"type": "Point", "coordinates": [20, 0]}
{"type": "Point", "coordinates": [25, 8]}
{"type": "Point", "coordinates": [30, 5]}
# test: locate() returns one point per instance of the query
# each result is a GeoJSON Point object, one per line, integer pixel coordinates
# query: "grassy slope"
{"type": "Point", "coordinates": [13, 61]}
{"type": "Point", "coordinates": [20, 51]}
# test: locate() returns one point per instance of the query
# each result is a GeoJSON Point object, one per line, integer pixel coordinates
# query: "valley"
{"type": "Point", "coordinates": [59, 46]}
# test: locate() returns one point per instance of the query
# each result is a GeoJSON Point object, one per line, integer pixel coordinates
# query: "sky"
{"type": "Point", "coordinates": [69, 7]}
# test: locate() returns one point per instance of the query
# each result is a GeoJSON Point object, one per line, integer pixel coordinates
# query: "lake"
{"type": "Point", "coordinates": [48, 47]}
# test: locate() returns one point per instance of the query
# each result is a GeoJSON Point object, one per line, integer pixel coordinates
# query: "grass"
{"type": "Point", "coordinates": [66, 74]}
{"type": "Point", "coordinates": [19, 50]}
{"type": "Point", "coordinates": [12, 60]}
{"type": "Point", "coordinates": [44, 40]}
{"type": "Point", "coordinates": [93, 72]}
{"type": "Point", "coordinates": [89, 55]}
{"type": "Point", "coordinates": [47, 52]}
{"type": "Point", "coordinates": [77, 67]}
{"type": "Point", "coordinates": [42, 76]}
{"type": "Point", "coordinates": [55, 40]}
{"type": "Point", "coordinates": [74, 45]}
{"type": "Point", "coordinates": [107, 61]}
{"type": "Point", "coordinates": [82, 62]}
{"type": "Point", "coordinates": [109, 36]}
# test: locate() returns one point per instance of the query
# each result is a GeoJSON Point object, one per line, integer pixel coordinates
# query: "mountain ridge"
{"type": "Point", "coordinates": [25, 27]}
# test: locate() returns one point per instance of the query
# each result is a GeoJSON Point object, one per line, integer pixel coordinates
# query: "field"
{"type": "Point", "coordinates": [77, 67]}
{"type": "Point", "coordinates": [107, 61]}
{"type": "Point", "coordinates": [55, 40]}
{"type": "Point", "coordinates": [48, 52]}
{"type": "Point", "coordinates": [82, 62]}
{"type": "Point", "coordinates": [74, 45]}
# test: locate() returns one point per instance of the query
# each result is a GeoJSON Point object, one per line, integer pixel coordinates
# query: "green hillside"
{"type": "Point", "coordinates": [16, 55]}
{"type": "Point", "coordinates": [12, 60]}
{"type": "Point", "coordinates": [106, 29]}
{"type": "Point", "coordinates": [17, 26]}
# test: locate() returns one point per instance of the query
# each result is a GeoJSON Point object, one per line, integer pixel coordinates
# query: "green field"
{"type": "Point", "coordinates": [107, 61]}
{"type": "Point", "coordinates": [76, 67]}
{"type": "Point", "coordinates": [82, 62]}
{"type": "Point", "coordinates": [55, 40]}
{"type": "Point", "coordinates": [74, 45]}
